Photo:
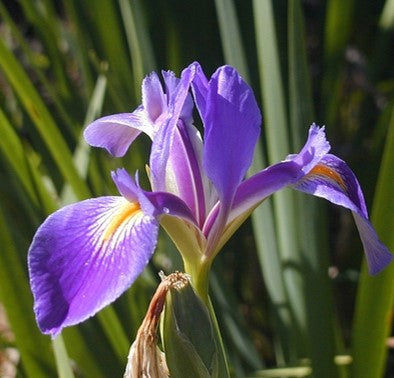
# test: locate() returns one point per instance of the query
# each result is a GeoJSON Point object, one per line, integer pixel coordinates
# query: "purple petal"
{"type": "Point", "coordinates": [258, 187]}
{"type": "Point", "coordinates": [171, 83]}
{"type": "Point", "coordinates": [129, 189]}
{"type": "Point", "coordinates": [180, 100]}
{"type": "Point", "coordinates": [254, 190]}
{"type": "Point", "coordinates": [314, 149]}
{"type": "Point", "coordinates": [153, 98]}
{"type": "Point", "coordinates": [116, 132]}
{"type": "Point", "coordinates": [184, 174]}
{"type": "Point", "coordinates": [377, 254]}
{"type": "Point", "coordinates": [84, 256]}
{"type": "Point", "coordinates": [200, 89]}
{"type": "Point", "coordinates": [333, 180]}
{"type": "Point", "coordinates": [169, 204]}
{"type": "Point", "coordinates": [232, 126]}
{"type": "Point", "coordinates": [176, 159]}
{"type": "Point", "coordinates": [163, 139]}
{"type": "Point", "coordinates": [152, 203]}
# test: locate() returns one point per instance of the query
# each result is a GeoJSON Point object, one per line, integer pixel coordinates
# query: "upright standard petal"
{"type": "Point", "coordinates": [162, 141]}
{"type": "Point", "coordinates": [333, 180]}
{"type": "Point", "coordinates": [84, 256]}
{"type": "Point", "coordinates": [153, 97]}
{"type": "Point", "coordinates": [171, 84]}
{"type": "Point", "coordinates": [200, 89]}
{"type": "Point", "coordinates": [184, 173]}
{"type": "Point", "coordinates": [231, 129]}
{"type": "Point", "coordinates": [116, 132]}
{"type": "Point", "coordinates": [176, 160]}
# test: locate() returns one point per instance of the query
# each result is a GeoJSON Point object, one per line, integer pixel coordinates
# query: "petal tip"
{"type": "Point", "coordinates": [52, 332]}
{"type": "Point", "coordinates": [319, 135]}
{"type": "Point", "coordinates": [377, 254]}
{"type": "Point", "coordinates": [315, 148]}
{"type": "Point", "coordinates": [378, 261]}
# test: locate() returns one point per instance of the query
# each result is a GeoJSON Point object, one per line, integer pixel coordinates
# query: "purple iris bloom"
{"type": "Point", "coordinates": [86, 254]}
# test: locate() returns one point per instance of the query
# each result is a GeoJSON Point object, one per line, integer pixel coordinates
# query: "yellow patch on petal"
{"type": "Point", "coordinates": [323, 170]}
{"type": "Point", "coordinates": [127, 211]}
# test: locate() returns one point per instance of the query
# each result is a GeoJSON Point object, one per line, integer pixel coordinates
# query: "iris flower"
{"type": "Point", "coordinates": [86, 254]}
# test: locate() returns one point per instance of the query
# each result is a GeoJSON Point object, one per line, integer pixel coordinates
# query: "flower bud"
{"type": "Point", "coordinates": [187, 333]}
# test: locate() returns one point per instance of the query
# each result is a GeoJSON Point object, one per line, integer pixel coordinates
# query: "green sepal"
{"type": "Point", "coordinates": [188, 336]}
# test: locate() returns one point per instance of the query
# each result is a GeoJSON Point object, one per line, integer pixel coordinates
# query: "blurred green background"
{"type": "Point", "coordinates": [290, 288]}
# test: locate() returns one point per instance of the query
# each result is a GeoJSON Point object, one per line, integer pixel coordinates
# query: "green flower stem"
{"type": "Point", "coordinates": [62, 360]}
{"type": "Point", "coordinates": [199, 274]}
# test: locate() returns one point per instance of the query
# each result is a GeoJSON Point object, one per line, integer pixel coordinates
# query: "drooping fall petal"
{"type": "Point", "coordinates": [275, 177]}
{"type": "Point", "coordinates": [84, 256]}
{"type": "Point", "coordinates": [333, 180]}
